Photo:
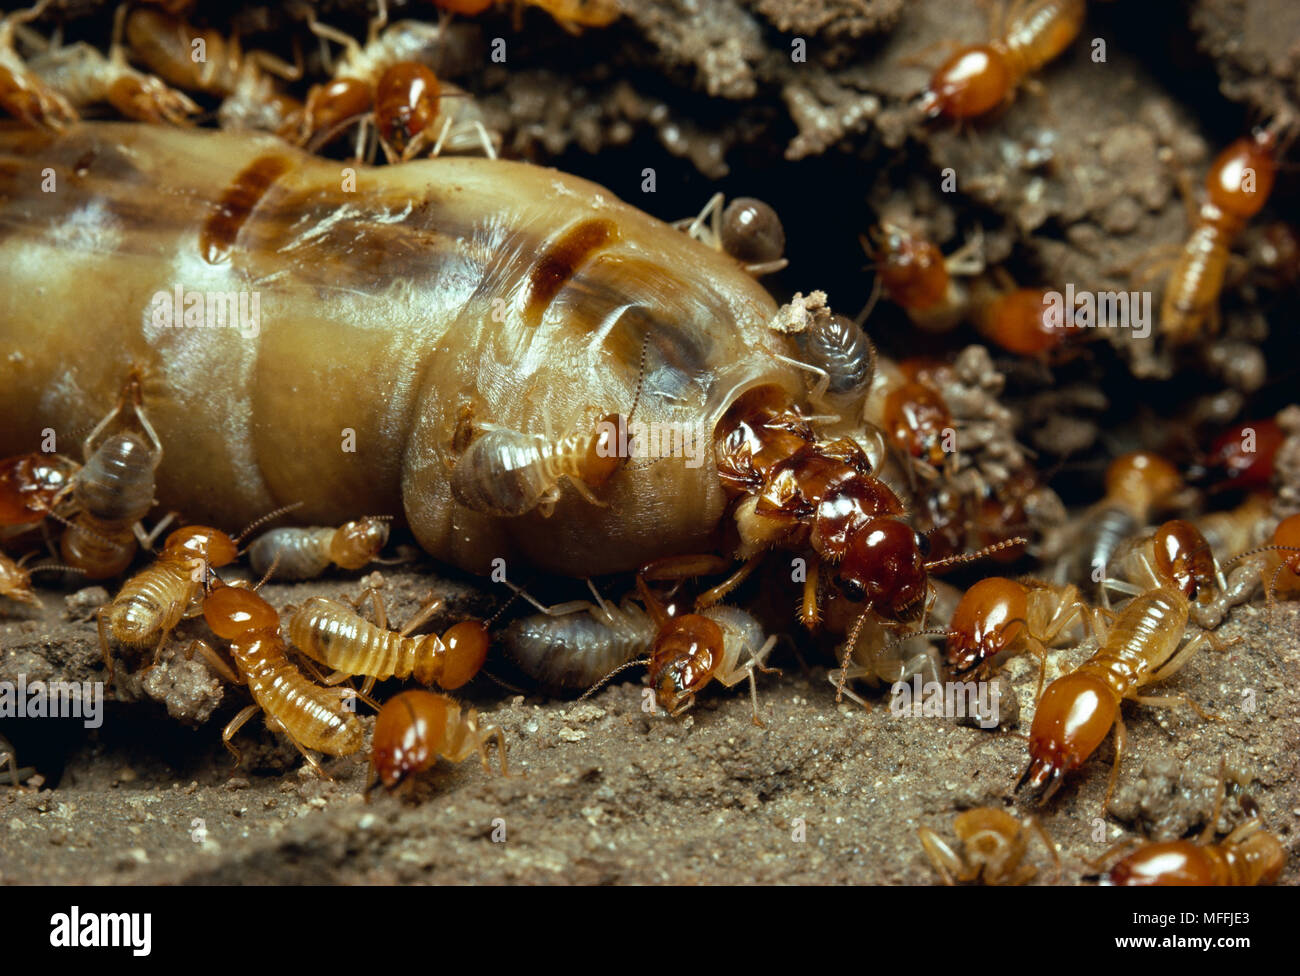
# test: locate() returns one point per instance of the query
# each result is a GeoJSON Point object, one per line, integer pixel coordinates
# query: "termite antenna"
{"type": "Point", "coordinates": [917, 633]}
{"type": "Point", "coordinates": [1255, 552]}
{"type": "Point", "coordinates": [640, 378]}
{"type": "Point", "coordinates": [504, 684]}
{"type": "Point", "coordinates": [968, 557]}
{"type": "Point", "coordinates": [605, 680]}
{"type": "Point", "coordinates": [52, 567]}
{"type": "Point", "coordinates": [256, 523]}
{"type": "Point", "coordinates": [849, 644]}
{"type": "Point", "coordinates": [275, 563]}
{"type": "Point", "coordinates": [502, 609]}
{"type": "Point", "coordinates": [867, 309]}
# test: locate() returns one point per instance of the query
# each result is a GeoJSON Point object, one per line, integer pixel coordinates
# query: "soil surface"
{"type": "Point", "coordinates": [1076, 182]}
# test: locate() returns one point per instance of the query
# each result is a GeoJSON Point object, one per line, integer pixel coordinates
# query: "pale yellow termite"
{"type": "Point", "coordinates": [384, 319]}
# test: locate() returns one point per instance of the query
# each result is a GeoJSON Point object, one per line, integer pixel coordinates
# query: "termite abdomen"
{"type": "Point", "coordinates": [574, 651]}
{"type": "Point", "coordinates": [117, 482]}
{"type": "Point", "coordinates": [839, 346]}
{"type": "Point", "coordinates": [751, 231]}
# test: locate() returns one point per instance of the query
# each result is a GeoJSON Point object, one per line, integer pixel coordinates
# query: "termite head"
{"type": "Point", "coordinates": [1229, 466]}
{"type": "Point", "coordinates": [843, 511]}
{"type": "Point", "coordinates": [1019, 322]}
{"type": "Point", "coordinates": [147, 99]}
{"type": "Point", "coordinates": [974, 80]}
{"type": "Point", "coordinates": [687, 652]}
{"type": "Point", "coordinates": [409, 734]}
{"type": "Point", "coordinates": [1183, 558]}
{"type": "Point", "coordinates": [884, 564]}
{"type": "Point", "coordinates": [1073, 717]}
{"type": "Point", "coordinates": [406, 105]}
{"type": "Point", "coordinates": [761, 428]}
{"type": "Point", "coordinates": [16, 582]}
{"type": "Point", "coordinates": [1242, 176]}
{"type": "Point", "coordinates": [234, 612]}
{"type": "Point", "coordinates": [356, 544]}
{"type": "Point", "coordinates": [467, 648]}
{"type": "Point", "coordinates": [602, 457]}
{"type": "Point", "coordinates": [33, 485]}
{"type": "Point", "coordinates": [210, 546]}
{"type": "Point", "coordinates": [1265, 855]}
{"type": "Point", "coordinates": [988, 618]}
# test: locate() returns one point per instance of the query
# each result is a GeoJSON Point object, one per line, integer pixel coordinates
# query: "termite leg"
{"type": "Point", "coordinates": [235, 724]}
{"type": "Point", "coordinates": [809, 609]}
{"type": "Point", "coordinates": [942, 857]}
{"type": "Point", "coordinates": [1051, 846]}
{"type": "Point", "coordinates": [1173, 701]}
{"type": "Point", "coordinates": [711, 596]}
{"type": "Point", "coordinates": [732, 678]}
{"type": "Point", "coordinates": [103, 644]}
{"type": "Point", "coordinates": [840, 677]}
{"type": "Point", "coordinates": [1121, 737]}
{"type": "Point", "coordinates": [214, 661]}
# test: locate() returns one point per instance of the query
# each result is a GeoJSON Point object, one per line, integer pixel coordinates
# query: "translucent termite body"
{"type": "Point", "coordinates": [446, 297]}
{"type": "Point", "coordinates": [994, 844]}
{"type": "Point", "coordinates": [573, 651]}
{"type": "Point", "coordinates": [300, 553]}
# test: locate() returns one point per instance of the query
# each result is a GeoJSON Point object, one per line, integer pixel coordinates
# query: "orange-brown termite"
{"type": "Point", "coordinates": [916, 276]}
{"type": "Point", "coordinates": [977, 78]}
{"type": "Point", "coordinates": [1237, 187]}
{"type": "Point", "coordinates": [339, 637]}
{"type": "Point", "coordinates": [415, 727]}
{"type": "Point", "coordinates": [994, 844]}
{"type": "Point", "coordinates": [23, 94]}
{"type": "Point", "coordinates": [1249, 855]}
{"type": "Point", "coordinates": [311, 716]}
{"type": "Point", "coordinates": [32, 486]}
{"type": "Point", "coordinates": [1144, 644]}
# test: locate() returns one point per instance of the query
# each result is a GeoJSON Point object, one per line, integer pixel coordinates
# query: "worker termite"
{"type": "Point", "coordinates": [1019, 320]}
{"type": "Point", "coordinates": [977, 78]}
{"type": "Point", "coordinates": [300, 553]}
{"type": "Point", "coordinates": [1137, 484]}
{"type": "Point", "coordinates": [415, 727]}
{"type": "Point", "coordinates": [916, 276]}
{"type": "Point", "coordinates": [545, 288]}
{"type": "Point", "coordinates": [339, 637]}
{"type": "Point", "coordinates": [114, 489]}
{"type": "Point", "coordinates": [205, 61]}
{"type": "Point", "coordinates": [16, 581]}
{"type": "Point", "coordinates": [84, 76]}
{"type": "Point", "coordinates": [310, 716]}
{"type": "Point", "coordinates": [153, 601]}
{"type": "Point", "coordinates": [1249, 855]}
{"type": "Point", "coordinates": [994, 844]}
{"type": "Point", "coordinates": [1237, 187]}
{"type": "Point", "coordinates": [23, 94]}
{"type": "Point", "coordinates": [1144, 644]}
{"type": "Point", "coordinates": [747, 229]}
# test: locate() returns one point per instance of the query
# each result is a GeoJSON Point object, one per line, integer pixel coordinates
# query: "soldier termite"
{"type": "Point", "coordinates": [415, 727]}
{"type": "Point", "coordinates": [169, 46]}
{"type": "Point", "coordinates": [300, 553]}
{"type": "Point", "coordinates": [978, 78]}
{"type": "Point", "coordinates": [554, 324]}
{"type": "Point", "coordinates": [84, 76]}
{"type": "Point", "coordinates": [23, 94]}
{"type": "Point", "coordinates": [311, 716]}
{"type": "Point", "coordinates": [1143, 644]}
{"type": "Point", "coordinates": [994, 844]}
{"type": "Point", "coordinates": [1249, 855]}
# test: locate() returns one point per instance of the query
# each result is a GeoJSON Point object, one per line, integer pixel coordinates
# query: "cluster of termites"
{"type": "Point", "coordinates": [870, 476]}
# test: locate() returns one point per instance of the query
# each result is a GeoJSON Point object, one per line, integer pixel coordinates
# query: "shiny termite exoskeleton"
{"type": "Point", "coordinates": [300, 553]}
{"type": "Point", "coordinates": [1249, 855]}
{"type": "Point", "coordinates": [16, 581]}
{"type": "Point", "coordinates": [84, 76]}
{"type": "Point", "coordinates": [152, 602]}
{"type": "Point", "coordinates": [977, 78]}
{"type": "Point", "coordinates": [386, 80]}
{"type": "Point", "coordinates": [415, 727]}
{"type": "Point", "coordinates": [999, 617]}
{"type": "Point", "coordinates": [311, 716]}
{"type": "Point", "coordinates": [205, 61]}
{"type": "Point", "coordinates": [114, 489]}
{"type": "Point", "coordinates": [23, 94]}
{"type": "Point", "coordinates": [747, 229]}
{"type": "Point", "coordinates": [994, 844]}
{"type": "Point", "coordinates": [916, 276]}
{"type": "Point", "coordinates": [338, 637]}
{"type": "Point", "coordinates": [1236, 187]}
{"type": "Point", "coordinates": [547, 295]}
{"type": "Point", "coordinates": [32, 488]}
{"type": "Point", "coordinates": [1143, 644]}
{"type": "Point", "coordinates": [1240, 458]}
{"type": "Point", "coordinates": [1018, 320]}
